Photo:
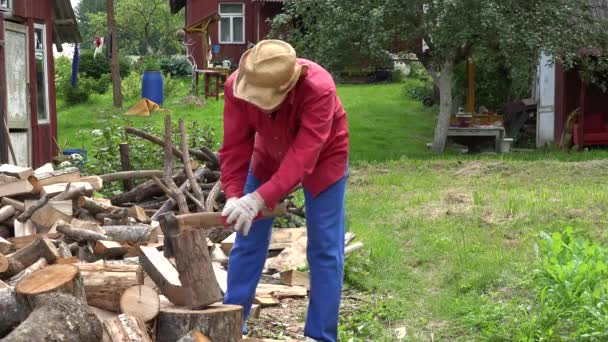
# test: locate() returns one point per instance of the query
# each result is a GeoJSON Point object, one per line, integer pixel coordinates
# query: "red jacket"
{"type": "Point", "coordinates": [304, 142]}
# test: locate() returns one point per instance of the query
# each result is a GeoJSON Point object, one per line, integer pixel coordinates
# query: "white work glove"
{"type": "Point", "coordinates": [242, 211]}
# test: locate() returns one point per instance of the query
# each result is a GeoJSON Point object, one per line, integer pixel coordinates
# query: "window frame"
{"type": "Point", "coordinates": [8, 7]}
{"type": "Point", "coordinates": [231, 16]}
{"type": "Point", "coordinates": [45, 50]}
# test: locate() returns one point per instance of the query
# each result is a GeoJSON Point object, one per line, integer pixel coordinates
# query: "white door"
{"type": "Point", "coordinates": [17, 92]}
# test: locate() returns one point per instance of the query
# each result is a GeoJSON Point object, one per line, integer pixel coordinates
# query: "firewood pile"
{"type": "Point", "coordinates": [78, 267]}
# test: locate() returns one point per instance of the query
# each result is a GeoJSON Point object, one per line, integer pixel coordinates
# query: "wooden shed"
{"type": "Point", "coordinates": [241, 24]}
{"type": "Point", "coordinates": [28, 30]}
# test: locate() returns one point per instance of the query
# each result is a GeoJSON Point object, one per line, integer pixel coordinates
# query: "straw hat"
{"type": "Point", "coordinates": [267, 72]}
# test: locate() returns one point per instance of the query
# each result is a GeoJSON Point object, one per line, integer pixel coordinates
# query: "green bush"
{"type": "Point", "coordinates": [174, 87]}
{"type": "Point", "coordinates": [418, 89]}
{"type": "Point", "coordinates": [175, 66]}
{"type": "Point", "coordinates": [75, 95]}
{"type": "Point", "coordinates": [99, 85]}
{"type": "Point", "coordinates": [89, 66]}
{"type": "Point", "coordinates": [147, 63]}
{"type": "Point", "coordinates": [131, 86]}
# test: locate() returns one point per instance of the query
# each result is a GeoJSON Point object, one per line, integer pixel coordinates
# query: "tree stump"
{"type": "Point", "coordinates": [13, 310]}
{"type": "Point", "coordinates": [194, 336]}
{"type": "Point", "coordinates": [104, 284]}
{"type": "Point", "coordinates": [64, 278]}
{"type": "Point", "coordinates": [219, 322]}
{"type": "Point", "coordinates": [140, 301]}
{"type": "Point", "coordinates": [58, 317]}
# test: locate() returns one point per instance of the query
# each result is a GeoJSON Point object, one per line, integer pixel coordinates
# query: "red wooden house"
{"type": "Point", "coordinates": [241, 24]}
{"type": "Point", "coordinates": [28, 28]}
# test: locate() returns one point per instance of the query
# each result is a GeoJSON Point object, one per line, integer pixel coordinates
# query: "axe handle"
{"type": "Point", "coordinates": [210, 220]}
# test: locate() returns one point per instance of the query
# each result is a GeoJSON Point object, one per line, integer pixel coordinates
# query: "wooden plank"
{"type": "Point", "coordinates": [46, 168]}
{"type": "Point", "coordinates": [291, 257]}
{"type": "Point", "coordinates": [295, 278]}
{"type": "Point", "coordinates": [228, 242]}
{"type": "Point", "coordinates": [266, 301]}
{"type": "Point", "coordinates": [19, 187]}
{"type": "Point", "coordinates": [285, 237]}
{"type": "Point", "coordinates": [280, 291]}
{"type": "Point", "coordinates": [95, 181]}
{"type": "Point", "coordinates": [56, 189]}
{"type": "Point", "coordinates": [16, 171]}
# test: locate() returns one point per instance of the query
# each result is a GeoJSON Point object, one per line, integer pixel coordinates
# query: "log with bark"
{"type": "Point", "coordinates": [5, 246]}
{"type": "Point", "coordinates": [130, 175]}
{"type": "Point", "coordinates": [105, 283]}
{"type": "Point", "coordinates": [80, 234]}
{"type": "Point", "coordinates": [14, 310]}
{"type": "Point", "coordinates": [170, 203]}
{"type": "Point", "coordinates": [219, 322]}
{"type": "Point", "coordinates": [27, 214]}
{"type": "Point", "coordinates": [125, 328]}
{"type": "Point", "coordinates": [7, 212]}
{"type": "Point", "coordinates": [18, 205]}
{"type": "Point", "coordinates": [64, 278]}
{"type": "Point", "coordinates": [110, 249]}
{"type": "Point", "coordinates": [71, 193]}
{"type": "Point", "coordinates": [196, 189]}
{"type": "Point", "coordinates": [38, 265]}
{"type": "Point", "coordinates": [58, 317]}
{"type": "Point", "coordinates": [71, 174]}
{"type": "Point", "coordinates": [140, 301]}
{"type": "Point", "coordinates": [124, 233]}
{"type": "Point", "coordinates": [92, 206]}
{"type": "Point", "coordinates": [23, 258]}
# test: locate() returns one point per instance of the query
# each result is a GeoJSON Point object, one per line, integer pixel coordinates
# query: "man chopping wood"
{"type": "Point", "coordinates": [284, 126]}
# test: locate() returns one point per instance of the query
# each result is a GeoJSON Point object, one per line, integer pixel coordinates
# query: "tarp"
{"type": "Point", "coordinates": [144, 107]}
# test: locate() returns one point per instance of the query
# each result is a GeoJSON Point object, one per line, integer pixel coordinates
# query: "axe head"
{"type": "Point", "coordinates": [170, 229]}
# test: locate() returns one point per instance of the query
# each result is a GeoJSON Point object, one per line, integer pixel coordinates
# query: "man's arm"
{"type": "Point", "coordinates": [301, 158]}
{"type": "Point", "coordinates": [237, 148]}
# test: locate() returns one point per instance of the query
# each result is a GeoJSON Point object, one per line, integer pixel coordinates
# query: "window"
{"type": "Point", "coordinates": [6, 5]}
{"type": "Point", "coordinates": [42, 93]}
{"type": "Point", "coordinates": [232, 23]}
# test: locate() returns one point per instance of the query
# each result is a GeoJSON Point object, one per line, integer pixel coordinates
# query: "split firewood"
{"type": "Point", "coordinates": [139, 214]}
{"type": "Point", "coordinates": [38, 265]}
{"type": "Point", "coordinates": [125, 328]}
{"type": "Point", "coordinates": [93, 206]}
{"type": "Point", "coordinates": [19, 187]}
{"type": "Point", "coordinates": [221, 276]}
{"type": "Point", "coordinates": [54, 190]}
{"type": "Point", "coordinates": [64, 249]}
{"type": "Point", "coordinates": [71, 193]}
{"type": "Point", "coordinates": [130, 175]}
{"type": "Point", "coordinates": [280, 291]}
{"type": "Point", "coordinates": [3, 285]}
{"type": "Point", "coordinates": [52, 279]}
{"type": "Point", "coordinates": [95, 181]}
{"type": "Point", "coordinates": [88, 225]}
{"type": "Point", "coordinates": [164, 275]}
{"type": "Point", "coordinates": [23, 258]}
{"type": "Point", "coordinates": [194, 336]}
{"type": "Point", "coordinates": [140, 301]}
{"type": "Point", "coordinates": [5, 246]}
{"type": "Point", "coordinates": [285, 237]}
{"type": "Point", "coordinates": [19, 206]}
{"type": "Point", "coordinates": [23, 229]}
{"type": "Point", "coordinates": [3, 263]}
{"type": "Point", "coordinates": [117, 215]}
{"type": "Point", "coordinates": [105, 283]}
{"type": "Point", "coordinates": [80, 234]}
{"type": "Point", "coordinates": [219, 322]}
{"type": "Point", "coordinates": [295, 278]}
{"type": "Point", "coordinates": [123, 233]}
{"type": "Point", "coordinates": [196, 189]}
{"type": "Point", "coordinates": [266, 300]}
{"type": "Point", "coordinates": [21, 242]}
{"type": "Point", "coordinates": [218, 255]}
{"type": "Point", "coordinates": [15, 310]}
{"type": "Point", "coordinates": [45, 217]}
{"type": "Point", "coordinates": [7, 212]}
{"type": "Point", "coordinates": [110, 249]}
{"type": "Point", "coordinates": [58, 317]}
{"type": "Point", "coordinates": [353, 247]}
{"type": "Point", "coordinates": [27, 214]}
{"type": "Point", "coordinates": [71, 260]}
{"type": "Point", "coordinates": [46, 168]}
{"type": "Point", "coordinates": [71, 174]}
{"type": "Point", "coordinates": [291, 257]}
{"type": "Point", "coordinates": [16, 171]}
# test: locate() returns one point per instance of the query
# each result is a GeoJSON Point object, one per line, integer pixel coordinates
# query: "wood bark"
{"type": "Point", "coordinates": [213, 195]}
{"type": "Point", "coordinates": [130, 175]}
{"type": "Point", "coordinates": [164, 275]}
{"type": "Point", "coordinates": [45, 217]}
{"type": "Point", "coordinates": [64, 249]}
{"type": "Point", "coordinates": [218, 322]}
{"type": "Point", "coordinates": [194, 336]}
{"type": "Point", "coordinates": [114, 65]}
{"type": "Point", "coordinates": [196, 189]}
{"type": "Point", "coordinates": [27, 214]}
{"type": "Point", "coordinates": [170, 203]}
{"type": "Point", "coordinates": [199, 205]}
{"type": "Point", "coordinates": [92, 206]}
{"type": "Point", "coordinates": [124, 233]}
{"type": "Point", "coordinates": [195, 270]}
{"type": "Point", "coordinates": [5, 246]}
{"type": "Point", "coordinates": [15, 310]}
{"type": "Point", "coordinates": [140, 301]}
{"type": "Point", "coordinates": [105, 283]}
{"type": "Point", "coordinates": [79, 234]}
{"type": "Point", "coordinates": [125, 328]}
{"type": "Point", "coordinates": [23, 258]}
{"type": "Point", "coordinates": [38, 265]}
{"type": "Point", "coordinates": [7, 212]}
{"type": "Point", "coordinates": [58, 317]}
{"type": "Point", "coordinates": [445, 108]}
{"type": "Point", "coordinates": [125, 164]}
{"type": "Point", "coordinates": [60, 176]}
{"type": "Point", "coordinates": [71, 193]}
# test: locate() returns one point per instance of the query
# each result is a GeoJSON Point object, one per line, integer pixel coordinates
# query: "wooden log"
{"type": "Point", "coordinates": [18, 205]}
{"type": "Point", "coordinates": [130, 175]}
{"type": "Point", "coordinates": [125, 328]}
{"type": "Point", "coordinates": [353, 247]}
{"type": "Point", "coordinates": [219, 322]}
{"type": "Point", "coordinates": [27, 214]}
{"type": "Point", "coordinates": [196, 189]}
{"type": "Point", "coordinates": [164, 275]}
{"type": "Point", "coordinates": [64, 249]}
{"type": "Point", "coordinates": [71, 260]}
{"type": "Point", "coordinates": [265, 301]}
{"type": "Point", "coordinates": [14, 310]}
{"type": "Point", "coordinates": [71, 194]}
{"type": "Point", "coordinates": [110, 249]}
{"type": "Point", "coordinates": [218, 255]}
{"type": "Point", "coordinates": [3, 263]}
{"type": "Point", "coordinates": [46, 168]}
{"type": "Point", "coordinates": [173, 150]}
{"type": "Point", "coordinates": [5, 232]}
{"type": "Point", "coordinates": [215, 191]}
{"type": "Point", "coordinates": [54, 190]}
{"type": "Point", "coordinates": [92, 206]}
{"type": "Point", "coordinates": [105, 283]}
{"type": "Point", "coordinates": [21, 242]}
{"type": "Point", "coordinates": [285, 237]}
{"type": "Point", "coordinates": [85, 253]}
{"type": "Point", "coordinates": [139, 214]}
{"type": "Point", "coordinates": [194, 336]}
{"type": "Point", "coordinates": [23, 258]}
{"type": "Point", "coordinates": [291, 257]}
{"type": "Point", "coordinates": [125, 164]}
{"type": "Point", "coordinates": [199, 173]}
{"type": "Point", "coordinates": [38, 265]}
{"type": "Point", "coordinates": [295, 278]}
{"type": "Point", "coordinates": [45, 217]}
{"type": "Point", "coordinates": [23, 229]}
{"type": "Point", "coordinates": [16, 171]}
{"type": "Point", "coordinates": [95, 181]}
{"type": "Point", "coordinates": [15, 188]}
{"type": "Point", "coordinates": [58, 317]}
{"type": "Point", "coordinates": [5, 246]}
{"type": "Point", "coordinates": [135, 233]}
{"type": "Point", "coordinates": [7, 212]}
{"type": "Point", "coordinates": [199, 205]}
{"type": "Point", "coordinates": [52, 279]}
{"type": "Point", "coordinates": [280, 291]}
{"type": "Point", "coordinates": [195, 269]}
{"type": "Point", "coordinates": [88, 225]}
{"type": "Point", "coordinates": [140, 301]}
{"type": "Point", "coordinates": [39, 180]}
{"type": "Point", "coordinates": [79, 234]}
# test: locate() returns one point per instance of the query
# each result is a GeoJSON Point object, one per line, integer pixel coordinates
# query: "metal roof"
{"type": "Point", "coordinates": [65, 29]}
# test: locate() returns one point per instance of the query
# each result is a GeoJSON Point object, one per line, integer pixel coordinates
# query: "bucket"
{"type": "Point", "coordinates": [152, 86]}
{"type": "Point", "coordinates": [505, 145]}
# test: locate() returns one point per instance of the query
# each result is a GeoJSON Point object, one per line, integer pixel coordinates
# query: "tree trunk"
{"type": "Point", "coordinates": [445, 109]}
{"type": "Point", "coordinates": [115, 66]}
{"type": "Point", "coordinates": [58, 317]}
{"type": "Point", "coordinates": [125, 163]}
{"type": "Point", "coordinates": [15, 310]}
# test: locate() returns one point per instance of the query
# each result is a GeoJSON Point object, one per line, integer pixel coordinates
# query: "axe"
{"type": "Point", "coordinates": [172, 225]}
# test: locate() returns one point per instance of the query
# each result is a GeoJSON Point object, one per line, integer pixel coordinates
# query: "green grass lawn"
{"type": "Point", "coordinates": [450, 241]}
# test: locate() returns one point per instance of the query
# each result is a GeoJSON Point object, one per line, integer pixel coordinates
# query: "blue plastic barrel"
{"type": "Point", "coordinates": [152, 86]}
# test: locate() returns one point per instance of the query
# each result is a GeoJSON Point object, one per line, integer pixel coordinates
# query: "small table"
{"type": "Point", "coordinates": [489, 131]}
{"type": "Point", "coordinates": [217, 76]}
